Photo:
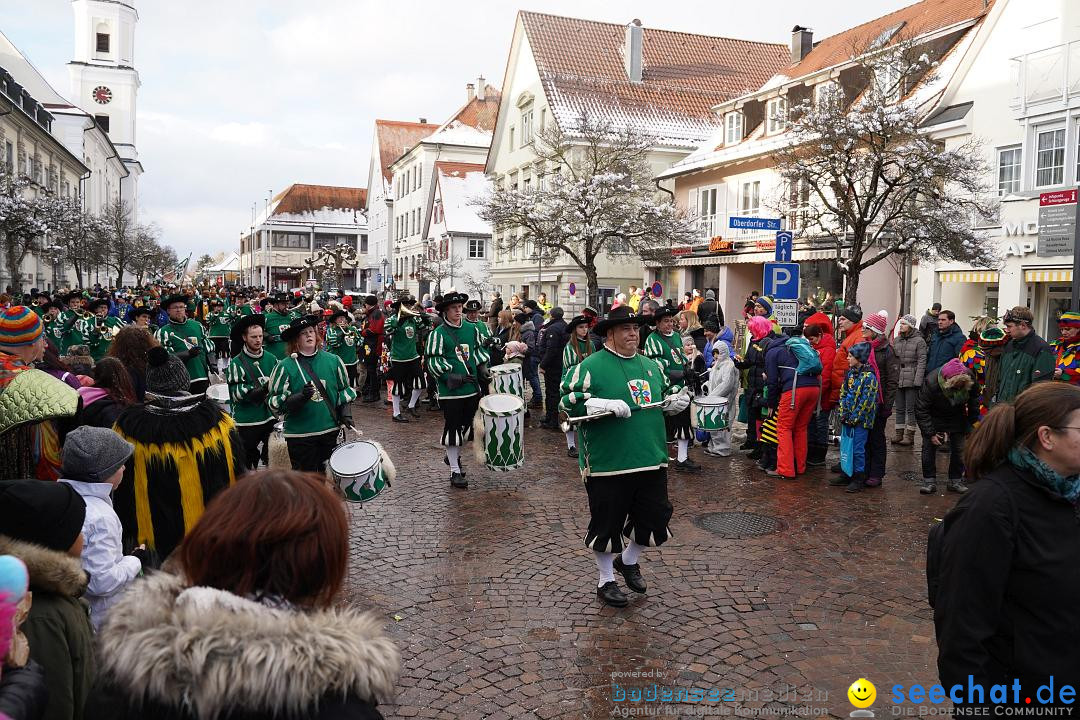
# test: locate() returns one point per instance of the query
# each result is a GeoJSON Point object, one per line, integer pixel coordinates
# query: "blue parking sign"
{"type": "Point", "coordinates": [781, 281]}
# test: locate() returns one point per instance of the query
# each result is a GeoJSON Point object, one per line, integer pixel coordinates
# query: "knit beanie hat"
{"type": "Point", "coordinates": [711, 325]}
{"type": "Point", "coordinates": [993, 336]}
{"type": "Point", "coordinates": [909, 320]}
{"type": "Point", "coordinates": [19, 325]}
{"type": "Point", "coordinates": [710, 295]}
{"type": "Point", "coordinates": [44, 513]}
{"type": "Point", "coordinates": [1069, 319]}
{"type": "Point", "coordinates": [93, 454]}
{"type": "Point", "coordinates": [165, 373]}
{"type": "Point", "coordinates": [860, 351]}
{"type": "Point", "coordinates": [852, 312]}
{"type": "Point", "coordinates": [877, 322]}
{"type": "Point", "coordinates": [765, 303]}
{"type": "Point", "coordinates": [953, 368]}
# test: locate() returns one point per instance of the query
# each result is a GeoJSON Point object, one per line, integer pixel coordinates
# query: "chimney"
{"type": "Point", "coordinates": [470, 92]}
{"type": "Point", "coordinates": [423, 121]}
{"type": "Point", "coordinates": [481, 88]}
{"type": "Point", "coordinates": [802, 42]}
{"type": "Point", "coordinates": [632, 51]}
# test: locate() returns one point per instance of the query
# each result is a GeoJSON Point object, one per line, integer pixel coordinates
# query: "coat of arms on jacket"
{"type": "Point", "coordinates": [640, 391]}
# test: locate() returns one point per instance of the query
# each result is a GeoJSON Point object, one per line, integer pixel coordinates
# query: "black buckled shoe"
{"type": "Point", "coordinates": [458, 480]}
{"type": "Point", "coordinates": [400, 419]}
{"type": "Point", "coordinates": [610, 594]}
{"type": "Point", "coordinates": [571, 452]}
{"type": "Point", "coordinates": [414, 411]}
{"type": "Point", "coordinates": [631, 574]}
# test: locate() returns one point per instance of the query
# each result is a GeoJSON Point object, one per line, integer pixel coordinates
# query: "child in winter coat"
{"type": "Point", "coordinates": [94, 460]}
{"type": "Point", "coordinates": [858, 407]}
{"type": "Point", "coordinates": [723, 383]}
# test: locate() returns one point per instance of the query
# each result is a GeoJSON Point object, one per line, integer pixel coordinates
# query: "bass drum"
{"type": "Point", "coordinates": [357, 468]}
{"type": "Point", "coordinates": [507, 378]}
{"type": "Point", "coordinates": [220, 394]}
{"type": "Point", "coordinates": [502, 436]}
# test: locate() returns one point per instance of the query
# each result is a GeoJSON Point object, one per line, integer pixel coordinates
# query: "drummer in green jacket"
{"type": "Point", "coordinates": [578, 347]}
{"type": "Point", "coordinates": [219, 325]}
{"type": "Point", "coordinates": [342, 339]}
{"type": "Point", "coordinates": [248, 375]}
{"type": "Point", "coordinates": [457, 360]}
{"type": "Point", "coordinates": [277, 319]}
{"type": "Point", "coordinates": [313, 415]}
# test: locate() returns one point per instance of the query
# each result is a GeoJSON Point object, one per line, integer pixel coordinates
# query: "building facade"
{"type": "Point", "coordinates": [660, 82]}
{"type": "Point", "coordinates": [295, 224]}
{"type": "Point", "coordinates": [457, 247]}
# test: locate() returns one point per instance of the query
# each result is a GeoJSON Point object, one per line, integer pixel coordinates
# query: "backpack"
{"type": "Point", "coordinates": [809, 361]}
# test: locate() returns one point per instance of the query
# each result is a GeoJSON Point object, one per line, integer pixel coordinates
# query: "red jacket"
{"type": "Point", "coordinates": [840, 366]}
{"type": "Point", "coordinates": [826, 350]}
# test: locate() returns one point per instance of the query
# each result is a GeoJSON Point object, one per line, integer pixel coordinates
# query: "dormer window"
{"type": "Point", "coordinates": [776, 111]}
{"type": "Point", "coordinates": [825, 93]}
{"type": "Point", "coordinates": [733, 125]}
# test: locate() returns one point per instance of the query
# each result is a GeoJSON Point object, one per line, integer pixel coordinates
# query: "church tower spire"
{"type": "Point", "coordinates": [104, 81]}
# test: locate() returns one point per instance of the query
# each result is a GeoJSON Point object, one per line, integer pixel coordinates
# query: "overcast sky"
{"type": "Point", "coordinates": [241, 97]}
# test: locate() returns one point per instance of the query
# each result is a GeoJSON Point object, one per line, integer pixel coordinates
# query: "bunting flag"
{"type": "Point", "coordinates": [179, 271]}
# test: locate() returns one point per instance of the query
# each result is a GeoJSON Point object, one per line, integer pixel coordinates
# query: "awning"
{"type": "Point", "coordinates": [969, 276]}
{"type": "Point", "coordinates": [1048, 276]}
{"type": "Point", "coordinates": [758, 257]}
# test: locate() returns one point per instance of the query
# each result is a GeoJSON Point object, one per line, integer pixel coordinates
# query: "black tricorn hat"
{"type": "Point", "coordinates": [236, 334]}
{"type": "Point", "coordinates": [307, 321]}
{"type": "Point", "coordinates": [454, 298]}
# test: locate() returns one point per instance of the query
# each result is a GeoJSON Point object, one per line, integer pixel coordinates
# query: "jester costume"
{"type": "Point", "coordinates": [1067, 350]}
{"type": "Point", "coordinates": [31, 403]}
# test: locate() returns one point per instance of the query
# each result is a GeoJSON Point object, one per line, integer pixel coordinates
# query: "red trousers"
{"type": "Point", "coordinates": [792, 425]}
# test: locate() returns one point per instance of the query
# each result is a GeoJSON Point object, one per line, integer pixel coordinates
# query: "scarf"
{"type": "Point", "coordinates": [1022, 458]}
{"type": "Point", "coordinates": [881, 341]}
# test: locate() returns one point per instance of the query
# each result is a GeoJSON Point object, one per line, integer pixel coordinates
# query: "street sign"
{"type": "Point", "coordinates": [572, 289]}
{"type": "Point", "coordinates": [781, 281]}
{"type": "Point", "coordinates": [753, 223]}
{"type": "Point", "coordinates": [1057, 223]}
{"type": "Point", "coordinates": [657, 289]}
{"type": "Point", "coordinates": [378, 277]}
{"type": "Point", "coordinates": [784, 244]}
{"type": "Point", "coordinates": [786, 313]}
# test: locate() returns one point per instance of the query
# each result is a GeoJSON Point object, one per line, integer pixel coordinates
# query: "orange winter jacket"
{"type": "Point", "coordinates": [840, 366]}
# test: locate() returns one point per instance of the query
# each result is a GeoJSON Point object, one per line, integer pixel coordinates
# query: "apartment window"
{"type": "Point", "coordinates": [477, 248]}
{"type": "Point", "coordinates": [325, 240]}
{"type": "Point", "coordinates": [1050, 160]}
{"type": "Point", "coordinates": [543, 118]}
{"type": "Point", "coordinates": [887, 79]}
{"type": "Point", "coordinates": [526, 125]}
{"type": "Point", "coordinates": [1008, 170]}
{"type": "Point", "coordinates": [777, 113]}
{"type": "Point", "coordinates": [415, 178]}
{"type": "Point", "coordinates": [511, 137]}
{"type": "Point", "coordinates": [734, 124]}
{"type": "Point", "coordinates": [102, 42]}
{"type": "Point", "coordinates": [703, 203]}
{"type": "Point", "coordinates": [290, 240]}
{"type": "Point", "coordinates": [9, 156]}
{"type": "Point", "coordinates": [750, 199]}
{"type": "Point", "coordinates": [363, 243]}
{"type": "Point", "coordinates": [420, 175]}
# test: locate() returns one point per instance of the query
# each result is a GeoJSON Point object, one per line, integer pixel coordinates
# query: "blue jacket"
{"type": "Point", "coordinates": [858, 397]}
{"type": "Point", "coordinates": [780, 364]}
{"type": "Point", "coordinates": [944, 346]}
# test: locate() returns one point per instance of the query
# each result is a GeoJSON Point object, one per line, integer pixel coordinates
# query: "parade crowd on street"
{"type": "Point", "coordinates": [164, 454]}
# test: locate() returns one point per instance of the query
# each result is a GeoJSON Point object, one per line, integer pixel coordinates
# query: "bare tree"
{"type": "Point", "coordinates": [117, 233]}
{"type": "Point", "coordinates": [151, 259]}
{"type": "Point", "coordinates": [479, 283]}
{"type": "Point", "coordinates": [75, 237]}
{"type": "Point", "coordinates": [860, 171]}
{"type": "Point", "coordinates": [596, 199]}
{"type": "Point", "coordinates": [436, 266]}
{"type": "Point", "coordinates": [25, 216]}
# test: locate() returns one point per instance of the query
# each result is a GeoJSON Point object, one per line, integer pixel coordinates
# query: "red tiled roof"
{"type": "Point", "coordinates": [396, 137]}
{"type": "Point", "coordinates": [683, 75]}
{"type": "Point", "coordinates": [480, 114]}
{"type": "Point", "coordinates": [918, 19]}
{"type": "Point", "coordinates": [299, 198]}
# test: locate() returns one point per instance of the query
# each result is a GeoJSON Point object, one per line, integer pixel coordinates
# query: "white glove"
{"type": "Point", "coordinates": [675, 404]}
{"type": "Point", "coordinates": [599, 405]}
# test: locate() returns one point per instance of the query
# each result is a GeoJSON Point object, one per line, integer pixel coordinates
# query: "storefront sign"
{"type": "Point", "coordinates": [766, 244]}
{"type": "Point", "coordinates": [680, 250]}
{"type": "Point", "coordinates": [720, 245]}
{"type": "Point", "coordinates": [1057, 223]}
{"type": "Point", "coordinates": [1020, 249]}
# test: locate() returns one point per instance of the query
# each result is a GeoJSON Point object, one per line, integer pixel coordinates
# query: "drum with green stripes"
{"type": "Point", "coordinates": [357, 468]}
{"type": "Point", "coordinates": [507, 378]}
{"type": "Point", "coordinates": [708, 413]}
{"type": "Point", "coordinates": [503, 416]}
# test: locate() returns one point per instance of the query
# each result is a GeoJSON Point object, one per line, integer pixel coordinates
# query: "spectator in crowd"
{"type": "Point", "coordinates": [710, 309]}
{"type": "Point", "coordinates": [41, 524]}
{"type": "Point", "coordinates": [52, 364]}
{"type": "Point", "coordinates": [818, 331]}
{"type": "Point", "coordinates": [689, 326]}
{"type": "Point", "coordinates": [858, 409]}
{"type": "Point", "coordinates": [911, 351]}
{"type": "Point", "coordinates": [648, 307]}
{"type": "Point", "coordinates": [1026, 359]}
{"type": "Point", "coordinates": [552, 342]}
{"type": "Point", "coordinates": [130, 347]}
{"type": "Point", "coordinates": [947, 408]}
{"type": "Point", "coordinates": [634, 299]}
{"type": "Point", "coordinates": [249, 627]}
{"type": "Point", "coordinates": [542, 304]}
{"type": "Point", "coordinates": [714, 333]}
{"type": "Point", "coordinates": [23, 690]}
{"type": "Point", "coordinates": [723, 383]}
{"type": "Point", "coordinates": [760, 332]}
{"type": "Point", "coordinates": [886, 367]}
{"type": "Point", "coordinates": [928, 323]}
{"type": "Point", "coordinates": [1007, 597]}
{"type": "Point", "coordinates": [794, 397]}
{"type": "Point", "coordinates": [525, 331]}
{"type": "Point", "coordinates": [108, 396]}
{"type": "Point", "coordinates": [1067, 348]}
{"type": "Point", "coordinates": [850, 322]}
{"type": "Point", "coordinates": [945, 344]}
{"type": "Point", "coordinates": [493, 311]}
{"type": "Point", "coordinates": [695, 301]}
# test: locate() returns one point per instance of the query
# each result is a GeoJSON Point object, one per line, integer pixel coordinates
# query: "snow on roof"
{"type": "Point", "coordinates": [459, 184]}
{"type": "Point", "coordinates": [24, 72]}
{"type": "Point", "coordinates": [230, 263]}
{"type": "Point", "coordinates": [320, 204]}
{"type": "Point", "coordinates": [458, 133]}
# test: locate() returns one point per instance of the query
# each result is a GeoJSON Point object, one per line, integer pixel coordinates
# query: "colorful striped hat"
{"type": "Point", "coordinates": [993, 336]}
{"type": "Point", "coordinates": [19, 325]}
{"type": "Point", "coordinates": [1069, 319]}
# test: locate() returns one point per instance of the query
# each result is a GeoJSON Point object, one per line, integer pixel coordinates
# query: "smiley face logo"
{"type": "Point", "coordinates": [862, 693]}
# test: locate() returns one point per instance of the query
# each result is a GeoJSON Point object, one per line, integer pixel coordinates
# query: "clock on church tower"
{"type": "Point", "coordinates": [102, 95]}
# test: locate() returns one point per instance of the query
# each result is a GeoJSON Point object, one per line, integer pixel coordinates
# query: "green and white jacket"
{"type": "Point", "coordinates": [314, 418]}
{"type": "Point", "coordinates": [618, 446]}
{"type": "Point", "coordinates": [245, 373]}
{"type": "Point", "coordinates": [570, 353]}
{"type": "Point", "coordinates": [667, 351]}
{"type": "Point", "coordinates": [98, 336]}
{"type": "Point", "coordinates": [219, 324]}
{"type": "Point", "coordinates": [343, 342]}
{"type": "Point", "coordinates": [179, 337]}
{"type": "Point", "coordinates": [403, 335]}
{"type": "Point", "coordinates": [455, 350]}
{"type": "Point", "coordinates": [275, 323]}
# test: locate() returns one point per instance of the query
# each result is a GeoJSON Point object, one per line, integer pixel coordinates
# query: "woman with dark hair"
{"type": "Point", "coordinates": [129, 347]}
{"type": "Point", "coordinates": [1007, 601]}
{"type": "Point", "coordinates": [108, 396]}
{"type": "Point", "coordinates": [52, 364]}
{"type": "Point", "coordinates": [248, 627]}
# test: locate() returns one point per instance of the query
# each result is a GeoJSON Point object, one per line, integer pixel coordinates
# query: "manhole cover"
{"type": "Point", "coordinates": [739, 524]}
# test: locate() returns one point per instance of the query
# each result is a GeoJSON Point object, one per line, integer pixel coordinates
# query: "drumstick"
{"type": "Point", "coordinates": [569, 422]}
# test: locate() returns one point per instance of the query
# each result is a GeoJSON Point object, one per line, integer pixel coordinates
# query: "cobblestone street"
{"type": "Point", "coordinates": [496, 593]}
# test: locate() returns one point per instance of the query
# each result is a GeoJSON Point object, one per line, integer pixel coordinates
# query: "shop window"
{"type": "Point", "coordinates": [1050, 160]}
{"type": "Point", "coordinates": [1008, 170]}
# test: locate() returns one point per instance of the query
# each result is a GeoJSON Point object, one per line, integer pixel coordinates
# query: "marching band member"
{"type": "Point", "coordinates": [185, 339]}
{"type": "Point", "coordinates": [248, 375]}
{"type": "Point", "coordinates": [665, 346]}
{"type": "Point", "coordinates": [623, 458]}
{"type": "Point", "coordinates": [577, 348]}
{"type": "Point", "coordinates": [278, 318]}
{"type": "Point", "coordinates": [70, 319]}
{"type": "Point", "coordinates": [402, 333]}
{"type": "Point", "coordinates": [372, 330]}
{"type": "Point", "coordinates": [98, 328]}
{"type": "Point", "coordinates": [455, 357]}
{"type": "Point", "coordinates": [310, 388]}
{"type": "Point", "coordinates": [54, 325]}
{"type": "Point", "coordinates": [140, 318]}
{"type": "Point", "coordinates": [219, 326]}
{"type": "Point", "coordinates": [343, 339]}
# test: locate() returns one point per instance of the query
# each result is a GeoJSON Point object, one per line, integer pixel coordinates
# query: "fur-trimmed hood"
{"type": "Point", "coordinates": [211, 652]}
{"type": "Point", "coordinates": [49, 570]}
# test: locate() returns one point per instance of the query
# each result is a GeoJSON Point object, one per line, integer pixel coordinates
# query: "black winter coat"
{"type": "Point", "coordinates": [1008, 599]}
{"type": "Point", "coordinates": [935, 414]}
{"type": "Point", "coordinates": [754, 363]}
{"type": "Point", "coordinates": [710, 310]}
{"type": "Point", "coordinates": [552, 342]}
{"type": "Point", "coordinates": [101, 413]}
{"type": "Point", "coordinates": [23, 692]}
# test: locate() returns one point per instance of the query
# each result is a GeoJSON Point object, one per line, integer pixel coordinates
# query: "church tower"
{"type": "Point", "coordinates": [104, 81]}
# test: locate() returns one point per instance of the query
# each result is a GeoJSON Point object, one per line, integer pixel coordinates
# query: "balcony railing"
{"type": "Point", "coordinates": [1050, 75]}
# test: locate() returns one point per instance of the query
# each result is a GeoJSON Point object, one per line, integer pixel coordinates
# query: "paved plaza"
{"type": "Point", "coordinates": [489, 591]}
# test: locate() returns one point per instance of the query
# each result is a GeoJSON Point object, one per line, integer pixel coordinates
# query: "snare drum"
{"type": "Point", "coordinates": [507, 378]}
{"type": "Point", "coordinates": [503, 417]}
{"type": "Point", "coordinates": [709, 413]}
{"type": "Point", "coordinates": [357, 469]}
{"type": "Point", "coordinates": [220, 394]}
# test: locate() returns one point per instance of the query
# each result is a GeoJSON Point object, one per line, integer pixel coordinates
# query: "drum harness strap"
{"type": "Point", "coordinates": [320, 387]}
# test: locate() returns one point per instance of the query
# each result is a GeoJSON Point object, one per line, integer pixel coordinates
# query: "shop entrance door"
{"type": "Point", "coordinates": [1058, 298]}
